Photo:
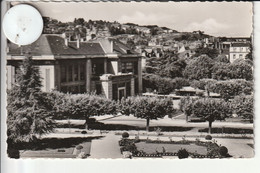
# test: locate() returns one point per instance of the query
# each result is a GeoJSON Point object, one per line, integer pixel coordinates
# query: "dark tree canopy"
{"type": "Point", "coordinates": [199, 68]}
{"type": "Point", "coordinates": [148, 108]}
{"type": "Point", "coordinates": [29, 111]}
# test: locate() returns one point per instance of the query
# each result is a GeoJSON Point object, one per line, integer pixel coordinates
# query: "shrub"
{"type": "Point", "coordinates": [79, 147]}
{"type": "Point", "coordinates": [244, 106]}
{"type": "Point", "coordinates": [208, 137]}
{"type": "Point", "coordinates": [182, 154]}
{"type": "Point", "coordinates": [125, 135]}
{"type": "Point", "coordinates": [223, 151]}
{"type": "Point", "coordinates": [84, 132]}
{"type": "Point", "coordinates": [13, 153]}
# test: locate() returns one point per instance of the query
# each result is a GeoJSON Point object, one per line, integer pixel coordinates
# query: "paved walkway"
{"type": "Point", "coordinates": [106, 147]}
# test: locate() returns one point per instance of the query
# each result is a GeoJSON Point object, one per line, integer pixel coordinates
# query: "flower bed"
{"type": "Point", "coordinates": [148, 148]}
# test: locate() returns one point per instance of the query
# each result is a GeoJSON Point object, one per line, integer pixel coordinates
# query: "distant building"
{"type": "Point", "coordinates": [238, 51]}
{"type": "Point", "coordinates": [105, 66]}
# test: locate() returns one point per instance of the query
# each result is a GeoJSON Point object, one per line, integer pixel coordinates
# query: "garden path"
{"type": "Point", "coordinates": [106, 147]}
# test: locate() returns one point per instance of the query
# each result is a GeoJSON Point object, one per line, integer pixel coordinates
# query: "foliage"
{"type": "Point", "coordinates": [125, 135]}
{"type": "Point", "coordinates": [244, 106]}
{"type": "Point", "coordinates": [13, 153]}
{"type": "Point", "coordinates": [222, 59]}
{"type": "Point", "coordinates": [212, 53]}
{"type": "Point", "coordinates": [241, 69]}
{"type": "Point", "coordinates": [223, 151]}
{"type": "Point", "coordinates": [79, 147]}
{"type": "Point", "coordinates": [162, 84]}
{"type": "Point", "coordinates": [208, 137]}
{"type": "Point", "coordinates": [29, 110]}
{"type": "Point", "coordinates": [182, 154]}
{"type": "Point", "coordinates": [199, 68]}
{"type": "Point", "coordinates": [146, 107]}
{"type": "Point", "coordinates": [185, 105]}
{"type": "Point", "coordinates": [230, 88]}
{"type": "Point", "coordinates": [211, 109]}
{"type": "Point", "coordinates": [221, 71]}
{"type": "Point", "coordinates": [81, 105]}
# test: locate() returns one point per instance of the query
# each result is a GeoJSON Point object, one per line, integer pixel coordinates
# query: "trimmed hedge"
{"type": "Point", "coordinates": [228, 130]}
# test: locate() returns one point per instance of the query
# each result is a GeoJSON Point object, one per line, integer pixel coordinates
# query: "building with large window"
{"type": "Point", "coordinates": [238, 51]}
{"type": "Point", "coordinates": [105, 66]}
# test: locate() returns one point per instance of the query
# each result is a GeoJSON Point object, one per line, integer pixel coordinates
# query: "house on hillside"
{"type": "Point", "coordinates": [105, 66]}
{"type": "Point", "coordinates": [238, 51]}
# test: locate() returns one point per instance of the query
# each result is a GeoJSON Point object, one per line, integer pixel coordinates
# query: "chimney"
{"type": "Point", "coordinates": [78, 41]}
{"type": "Point", "coordinates": [112, 46]}
{"type": "Point", "coordinates": [66, 41]}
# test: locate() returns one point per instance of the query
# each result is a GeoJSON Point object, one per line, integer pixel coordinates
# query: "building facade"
{"type": "Point", "coordinates": [104, 66]}
{"type": "Point", "coordinates": [238, 51]}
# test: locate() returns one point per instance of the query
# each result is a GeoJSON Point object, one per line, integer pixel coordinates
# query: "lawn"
{"type": "Point", "coordinates": [153, 147]}
{"type": "Point", "coordinates": [54, 147]}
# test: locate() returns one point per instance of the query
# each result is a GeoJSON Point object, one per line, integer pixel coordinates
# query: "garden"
{"type": "Point", "coordinates": [182, 149]}
{"type": "Point", "coordinates": [33, 114]}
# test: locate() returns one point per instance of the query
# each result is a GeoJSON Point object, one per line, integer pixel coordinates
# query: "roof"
{"type": "Point", "coordinates": [55, 45]}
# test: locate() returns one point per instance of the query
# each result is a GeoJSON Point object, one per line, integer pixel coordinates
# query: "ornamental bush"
{"type": "Point", "coordinates": [125, 135]}
{"type": "Point", "coordinates": [13, 153]}
{"type": "Point", "coordinates": [182, 154]}
{"type": "Point", "coordinates": [223, 151]}
{"type": "Point", "coordinates": [79, 147]}
{"type": "Point", "coordinates": [208, 137]}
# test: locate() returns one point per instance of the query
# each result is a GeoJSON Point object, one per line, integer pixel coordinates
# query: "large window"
{"type": "Point", "coordinates": [73, 77]}
{"type": "Point", "coordinates": [127, 67]}
{"type": "Point", "coordinates": [98, 68]}
{"type": "Point", "coordinates": [72, 72]}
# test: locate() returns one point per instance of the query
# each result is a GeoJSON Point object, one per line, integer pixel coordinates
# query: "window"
{"type": "Point", "coordinates": [127, 67]}
{"type": "Point", "coordinates": [98, 89]}
{"type": "Point", "coordinates": [73, 77]}
{"type": "Point", "coordinates": [63, 74]}
{"type": "Point", "coordinates": [69, 73]}
{"type": "Point", "coordinates": [82, 72]}
{"type": "Point", "coordinates": [74, 72]}
{"type": "Point", "coordinates": [98, 68]}
{"type": "Point", "coordinates": [240, 56]}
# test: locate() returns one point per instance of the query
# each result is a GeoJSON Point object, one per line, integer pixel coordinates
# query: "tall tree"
{"type": "Point", "coordinates": [148, 108]}
{"type": "Point", "coordinates": [29, 112]}
{"type": "Point", "coordinates": [211, 110]}
{"type": "Point", "coordinates": [244, 106]}
{"type": "Point", "coordinates": [199, 68]}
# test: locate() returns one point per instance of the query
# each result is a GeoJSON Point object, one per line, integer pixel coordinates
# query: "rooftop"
{"type": "Point", "coordinates": [50, 44]}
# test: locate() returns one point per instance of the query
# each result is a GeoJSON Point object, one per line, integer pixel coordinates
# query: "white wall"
{"type": "Point", "coordinates": [47, 79]}
{"type": "Point", "coordinates": [115, 66]}
{"type": "Point", "coordinates": [10, 76]}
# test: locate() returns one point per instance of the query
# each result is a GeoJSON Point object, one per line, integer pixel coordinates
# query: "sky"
{"type": "Point", "coordinates": [231, 19]}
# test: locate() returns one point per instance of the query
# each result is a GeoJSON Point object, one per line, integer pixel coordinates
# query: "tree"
{"type": "Point", "coordinates": [211, 109]}
{"type": "Point", "coordinates": [29, 111]}
{"type": "Point", "coordinates": [203, 84]}
{"type": "Point", "coordinates": [241, 69]}
{"type": "Point", "coordinates": [212, 53]}
{"type": "Point", "coordinates": [148, 108]}
{"type": "Point", "coordinates": [199, 68]}
{"type": "Point", "coordinates": [84, 106]}
{"type": "Point", "coordinates": [230, 88]}
{"type": "Point", "coordinates": [244, 106]}
{"type": "Point", "coordinates": [186, 106]}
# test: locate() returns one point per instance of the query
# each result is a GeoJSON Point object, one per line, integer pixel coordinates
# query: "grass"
{"type": "Point", "coordinates": [57, 153]}
{"type": "Point", "coordinates": [50, 143]}
{"type": "Point", "coordinates": [153, 147]}
{"type": "Point", "coordinates": [95, 125]}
